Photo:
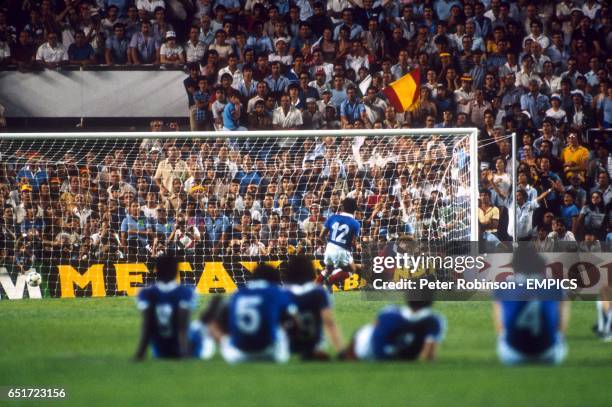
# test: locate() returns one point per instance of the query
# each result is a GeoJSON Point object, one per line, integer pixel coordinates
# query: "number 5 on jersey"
{"type": "Point", "coordinates": [247, 313]}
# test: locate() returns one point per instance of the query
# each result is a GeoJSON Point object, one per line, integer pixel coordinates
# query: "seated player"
{"type": "Point", "coordinates": [399, 333]}
{"type": "Point", "coordinates": [530, 324]}
{"type": "Point", "coordinates": [343, 230]}
{"type": "Point", "coordinates": [256, 313]}
{"type": "Point", "coordinates": [314, 311]}
{"type": "Point", "coordinates": [166, 307]}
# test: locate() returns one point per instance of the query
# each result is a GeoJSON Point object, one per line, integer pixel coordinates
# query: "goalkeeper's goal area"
{"type": "Point", "coordinates": [91, 211]}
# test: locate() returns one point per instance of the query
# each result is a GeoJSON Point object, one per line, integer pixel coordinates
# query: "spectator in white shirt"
{"type": "Point", "coordinates": [282, 52]}
{"type": "Point", "coordinates": [590, 8]}
{"type": "Point", "coordinates": [148, 6]}
{"type": "Point", "coordinates": [357, 57]}
{"type": "Point", "coordinates": [539, 58]}
{"type": "Point", "coordinates": [5, 50]}
{"type": "Point", "coordinates": [537, 34]}
{"type": "Point", "coordinates": [170, 52]}
{"type": "Point", "coordinates": [527, 73]}
{"type": "Point", "coordinates": [286, 116]}
{"type": "Point", "coordinates": [260, 93]}
{"type": "Point", "coordinates": [464, 95]}
{"type": "Point", "coordinates": [563, 239]}
{"type": "Point", "coordinates": [232, 69]}
{"type": "Point", "coordinates": [194, 48]}
{"type": "Point", "coordinates": [52, 54]}
{"type": "Point", "coordinates": [556, 113]}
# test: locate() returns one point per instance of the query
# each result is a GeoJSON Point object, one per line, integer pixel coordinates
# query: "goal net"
{"type": "Point", "coordinates": [90, 212]}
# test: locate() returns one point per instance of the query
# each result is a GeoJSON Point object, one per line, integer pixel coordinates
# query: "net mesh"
{"type": "Point", "coordinates": [231, 201]}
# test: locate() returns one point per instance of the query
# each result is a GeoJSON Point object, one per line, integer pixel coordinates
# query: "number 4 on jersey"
{"type": "Point", "coordinates": [529, 319]}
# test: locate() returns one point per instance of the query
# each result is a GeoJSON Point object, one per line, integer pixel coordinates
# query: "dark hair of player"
{"type": "Point", "coordinates": [419, 299]}
{"type": "Point", "coordinates": [267, 273]}
{"type": "Point", "coordinates": [166, 268]}
{"type": "Point", "coordinates": [298, 270]}
{"type": "Point", "coordinates": [349, 205]}
{"type": "Point", "coordinates": [417, 305]}
{"type": "Point", "coordinates": [527, 261]}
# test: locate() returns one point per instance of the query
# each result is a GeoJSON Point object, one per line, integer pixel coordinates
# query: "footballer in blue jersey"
{"type": "Point", "coordinates": [256, 313]}
{"type": "Point", "coordinates": [343, 230]}
{"type": "Point", "coordinates": [314, 312]}
{"type": "Point", "coordinates": [530, 324]}
{"type": "Point", "coordinates": [399, 333]}
{"type": "Point", "coordinates": [166, 307]}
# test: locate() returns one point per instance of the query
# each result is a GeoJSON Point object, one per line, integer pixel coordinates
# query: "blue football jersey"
{"type": "Point", "coordinates": [400, 333]}
{"type": "Point", "coordinates": [530, 327]}
{"type": "Point", "coordinates": [255, 315]}
{"type": "Point", "coordinates": [530, 318]}
{"type": "Point", "coordinates": [343, 228]}
{"type": "Point", "coordinates": [310, 300]}
{"type": "Point", "coordinates": [165, 299]}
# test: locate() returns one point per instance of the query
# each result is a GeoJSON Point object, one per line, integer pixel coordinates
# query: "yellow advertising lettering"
{"type": "Point", "coordinates": [131, 276]}
{"type": "Point", "coordinates": [215, 278]}
{"type": "Point", "coordinates": [184, 266]}
{"type": "Point", "coordinates": [94, 275]}
{"type": "Point", "coordinates": [250, 265]}
{"type": "Point", "coordinates": [352, 283]}
{"type": "Point", "coordinates": [128, 273]}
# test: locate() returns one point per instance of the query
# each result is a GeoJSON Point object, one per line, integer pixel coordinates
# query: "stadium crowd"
{"type": "Point", "coordinates": [540, 70]}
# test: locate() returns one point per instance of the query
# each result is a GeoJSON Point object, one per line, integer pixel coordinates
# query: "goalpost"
{"type": "Point", "coordinates": [91, 211]}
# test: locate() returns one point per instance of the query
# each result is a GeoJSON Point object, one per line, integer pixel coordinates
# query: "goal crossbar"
{"type": "Point", "coordinates": [230, 134]}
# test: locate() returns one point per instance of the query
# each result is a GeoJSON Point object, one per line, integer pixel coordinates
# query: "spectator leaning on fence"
{"type": "Point", "coordinates": [144, 46]}
{"type": "Point", "coordinates": [52, 53]}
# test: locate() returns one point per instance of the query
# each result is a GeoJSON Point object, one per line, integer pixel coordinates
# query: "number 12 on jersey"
{"type": "Point", "coordinates": [339, 232]}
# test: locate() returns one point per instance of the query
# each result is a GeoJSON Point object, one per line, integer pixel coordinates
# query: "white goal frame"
{"type": "Point", "coordinates": [468, 131]}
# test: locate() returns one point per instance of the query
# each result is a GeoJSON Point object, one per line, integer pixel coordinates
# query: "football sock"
{"type": "Point", "coordinates": [339, 277]}
{"type": "Point", "coordinates": [600, 317]}
{"type": "Point", "coordinates": [321, 278]}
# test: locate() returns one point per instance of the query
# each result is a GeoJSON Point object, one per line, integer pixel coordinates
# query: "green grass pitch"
{"type": "Point", "coordinates": [85, 346]}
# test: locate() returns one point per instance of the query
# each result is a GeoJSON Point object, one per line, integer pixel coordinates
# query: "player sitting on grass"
{"type": "Point", "coordinates": [255, 316]}
{"type": "Point", "coordinates": [314, 311]}
{"type": "Point", "coordinates": [399, 333]}
{"type": "Point", "coordinates": [166, 307]}
{"type": "Point", "coordinates": [530, 324]}
{"type": "Point", "coordinates": [344, 230]}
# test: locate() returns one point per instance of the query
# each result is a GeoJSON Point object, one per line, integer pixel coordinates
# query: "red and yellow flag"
{"type": "Point", "coordinates": [404, 92]}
